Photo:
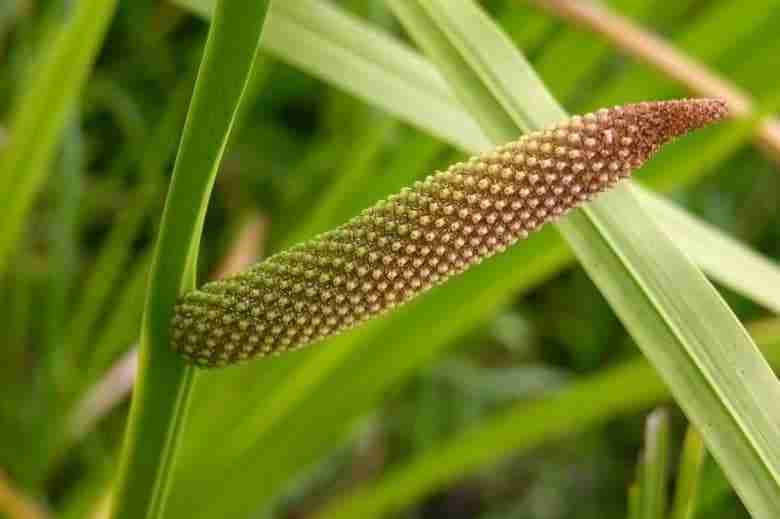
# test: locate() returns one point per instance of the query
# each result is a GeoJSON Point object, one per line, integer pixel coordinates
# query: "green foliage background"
{"type": "Point", "coordinates": [513, 392]}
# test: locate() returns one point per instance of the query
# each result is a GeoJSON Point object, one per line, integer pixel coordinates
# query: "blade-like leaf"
{"type": "Point", "coordinates": [581, 52]}
{"type": "Point", "coordinates": [321, 39]}
{"type": "Point", "coordinates": [688, 476]}
{"type": "Point", "coordinates": [634, 510]}
{"type": "Point", "coordinates": [614, 391]}
{"type": "Point", "coordinates": [702, 39]}
{"type": "Point", "coordinates": [164, 385]}
{"type": "Point", "coordinates": [722, 257]}
{"type": "Point", "coordinates": [655, 459]}
{"type": "Point", "coordinates": [407, 96]}
{"type": "Point", "coordinates": [42, 113]}
{"type": "Point", "coordinates": [117, 249]}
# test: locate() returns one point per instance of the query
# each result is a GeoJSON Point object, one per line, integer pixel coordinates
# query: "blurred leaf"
{"type": "Point", "coordinates": [65, 240]}
{"type": "Point", "coordinates": [41, 115]}
{"type": "Point", "coordinates": [617, 390]}
{"type": "Point", "coordinates": [347, 184]}
{"type": "Point", "coordinates": [634, 505]}
{"type": "Point", "coordinates": [90, 495]}
{"type": "Point", "coordinates": [117, 249]}
{"type": "Point", "coordinates": [344, 52]}
{"type": "Point", "coordinates": [55, 370]}
{"type": "Point", "coordinates": [704, 39]}
{"type": "Point", "coordinates": [528, 28]}
{"type": "Point", "coordinates": [108, 268]}
{"type": "Point", "coordinates": [121, 326]}
{"type": "Point", "coordinates": [581, 52]}
{"type": "Point", "coordinates": [655, 461]}
{"type": "Point", "coordinates": [500, 384]}
{"type": "Point", "coordinates": [514, 332]}
{"type": "Point", "coordinates": [725, 259]}
{"type": "Point", "coordinates": [688, 476]}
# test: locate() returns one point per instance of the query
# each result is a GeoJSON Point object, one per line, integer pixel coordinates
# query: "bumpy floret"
{"type": "Point", "coordinates": [421, 236]}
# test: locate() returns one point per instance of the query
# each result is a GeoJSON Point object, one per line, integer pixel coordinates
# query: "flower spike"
{"type": "Point", "coordinates": [418, 238]}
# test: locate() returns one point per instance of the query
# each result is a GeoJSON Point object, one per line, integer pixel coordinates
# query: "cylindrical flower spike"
{"type": "Point", "coordinates": [404, 245]}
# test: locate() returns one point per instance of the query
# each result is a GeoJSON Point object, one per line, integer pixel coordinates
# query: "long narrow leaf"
{"type": "Point", "coordinates": [117, 249]}
{"type": "Point", "coordinates": [37, 126]}
{"type": "Point", "coordinates": [722, 257]}
{"type": "Point", "coordinates": [688, 475]}
{"type": "Point", "coordinates": [332, 38]}
{"type": "Point", "coordinates": [162, 393]}
{"type": "Point", "coordinates": [618, 390]}
{"type": "Point", "coordinates": [655, 459]}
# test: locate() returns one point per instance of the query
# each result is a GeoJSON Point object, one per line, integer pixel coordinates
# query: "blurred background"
{"type": "Point", "coordinates": [306, 156]}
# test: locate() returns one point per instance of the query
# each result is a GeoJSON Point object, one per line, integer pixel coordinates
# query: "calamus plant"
{"type": "Point", "coordinates": [418, 238]}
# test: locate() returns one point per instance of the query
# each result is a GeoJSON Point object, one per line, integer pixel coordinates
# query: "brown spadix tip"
{"type": "Point", "coordinates": [428, 232]}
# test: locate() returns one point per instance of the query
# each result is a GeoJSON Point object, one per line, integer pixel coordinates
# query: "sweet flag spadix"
{"type": "Point", "coordinates": [418, 238]}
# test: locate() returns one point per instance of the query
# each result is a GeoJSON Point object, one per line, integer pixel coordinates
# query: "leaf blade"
{"type": "Point", "coordinates": [165, 382]}
{"type": "Point", "coordinates": [42, 113]}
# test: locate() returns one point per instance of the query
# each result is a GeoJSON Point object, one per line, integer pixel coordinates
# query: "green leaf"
{"type": "Point", "coordinates": [634, 509]}
{"type": "Point", "coordinates": [64, 248]}
{"type": "Point", "coordinates": [581, 52]}
{"type": "Point", "coordinates": [725, 259]}
{"type": "Point", "coordinates": [330, 210]}
{"type": "Point", "coordinates": [116, 252]}
{"type": "Point", "coordinates": [111, 262]}
{"type": "Point", "coordinates": [654, 466]}
{"type": "Point", "coordinates": [344, 52]}
{"type": "Point", "coordinates": [164, 384]}
{"type": "Point", "coordinates": [617, 390]}
{"type": "Point", "coordinates": [703, 39]}
{"type": "Point", "coordinates": [36, 128]}
{"type": "Point", "coordinates": [688, 476]}
{"type": "Point", "coordinates": [55, 363]}
{"type": "Point", "coordinates": [121, 324]}
{"type": "Point", "coordinates": [498, 116]}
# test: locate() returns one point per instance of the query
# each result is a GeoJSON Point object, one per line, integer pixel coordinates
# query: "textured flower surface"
{"type": "Point", "coordinates": [421, 236]}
